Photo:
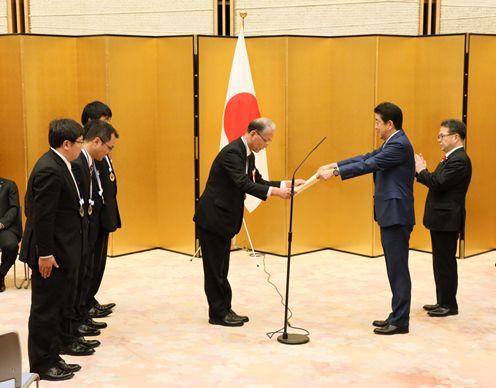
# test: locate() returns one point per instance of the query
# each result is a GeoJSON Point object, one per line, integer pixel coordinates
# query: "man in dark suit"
{"type": "Point", "coordinates": [10, 226]}
{"type": "Point", "coordinates": [52, 246]}
{"type": "Point", "coordinates": [110, 219]}
{"type": "Point", "coordinates": [444, 212]}
{"type": "Point", "coordinates": [99, 138]}
{"type": "Point", "coordinates": [393, 166]}
{"type": "Point", "coordinates": [219, 212]}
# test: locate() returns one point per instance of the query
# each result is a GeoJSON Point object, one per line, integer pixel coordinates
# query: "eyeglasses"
{"type": "Point", "coordinates": [264, 139]}
{"type": "Point", "coordinates": [110, 148]}
{"type": "Point", "coordinates": [78, 141]}
{"type": "Point", "coordinates": [441, 136]}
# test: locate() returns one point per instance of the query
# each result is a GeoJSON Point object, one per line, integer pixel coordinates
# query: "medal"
{"type": "Point", "coordinates": [90, 210]}
{"type": "Point", "coordinates": [81, 211]}
{"type": "Point", "coordinates": [112, 176]}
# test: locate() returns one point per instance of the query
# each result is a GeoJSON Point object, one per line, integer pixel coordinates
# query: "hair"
{"type": "Point", "coordinates": [61, 130]}
{"type": "Point", "coordinates": [99, 128]}
{"type": "Point", "coordinates": [389, 111]}
{"type": "Point", "coordinates": [94, 110]}
{"type": "Point", "coordinates": [455, 126]}
{"type": "Point", "coordinates": [260, 125]}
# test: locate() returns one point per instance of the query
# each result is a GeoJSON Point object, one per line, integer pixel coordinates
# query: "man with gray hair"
{"type": "Point", "coordinates": [219, 213]}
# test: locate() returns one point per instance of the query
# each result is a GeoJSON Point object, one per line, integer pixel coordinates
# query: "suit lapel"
{"type": "Point", "coordinates": [67, 175]}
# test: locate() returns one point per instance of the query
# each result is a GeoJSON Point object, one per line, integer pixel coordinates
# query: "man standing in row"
{"type": "Point", "coordinates": [219, 213]}
{"type": "Point", "coordinates": [52, 246]}
{"type": "Point", "coordinates": [10, 227]}
{"type": "Point", "coordinates": [98, 137]}
{"type": "Point", "coordinates": [393, 166]}
{"type": "Point", "coordinates": [444, 213]}
{"type": "Point", "coordinates": [110, 219]}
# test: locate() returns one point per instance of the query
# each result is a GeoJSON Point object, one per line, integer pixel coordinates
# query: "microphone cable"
{"type": "Point", "coordinates": [270, 334]}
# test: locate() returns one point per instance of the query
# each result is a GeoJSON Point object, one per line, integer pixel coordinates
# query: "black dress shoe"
{"type": "Point", "coordinates": [242, 318]}
{"type": "Point", "coordinates": [95, 313]}
{"type": "Point", "coordinates": [86, 330]}
{"type": "Point", "coordinates": [76, 349]}
{"type": "Point", "coordinates": [68, 367]}
{"type": "Point", "coordinates": [89, 343]}
{"type": "Point", "coordinates": [56, 373]}
{"type": "Point", "coordinates": [430, 307]}
{"type": "Point", "coordinates": [228, 320]}
{"type": "Point", "coordinates": [442, 312]}
{"type": "Point", "coordinates": [379, 323]}
{"type": "Point", "coordinates": [94, 324]}
{"type": "Point", "coordinates": [103, 307]}
{"type": "Point", "coordinates": [390, 330]}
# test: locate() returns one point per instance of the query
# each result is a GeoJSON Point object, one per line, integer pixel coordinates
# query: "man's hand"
{"type": "Point", "coordinates": [326, 172]}
{"type": "Point", "coordinates": [420, 163]}
{"type": "Point", "coordinates": [282, 193]}
{"type": "Point", "coordinates": [298, 182]}
{"type": "Point", "coordinates": [46, 264]}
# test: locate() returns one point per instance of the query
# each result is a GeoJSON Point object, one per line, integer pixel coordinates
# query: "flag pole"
{"type": "Point", "coordinates": [243, 13]}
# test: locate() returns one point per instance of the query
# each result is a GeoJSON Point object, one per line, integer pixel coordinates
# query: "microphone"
{"type": "Point", "coordinates": [303, 161]}
{"type": "Point", "coordinates": [285, 337]}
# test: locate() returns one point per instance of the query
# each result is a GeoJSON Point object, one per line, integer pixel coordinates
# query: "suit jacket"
{"type": "Point", "coordinates": [110, 219]}
{"type": "Point", "coordinates": [82, 175]}
{"type": "Point", "coordinates": [10, 209]}
{"type": "Point", "coordinates": [53, 225]}
{"type": "Point", "coordinates": [448, 185]}
{"type": "Point", "coordinates": [393, 166]}
{"type": "Point", "coordinates": [220, 208]}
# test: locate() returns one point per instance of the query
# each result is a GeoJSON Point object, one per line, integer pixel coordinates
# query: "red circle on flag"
{"type": "Point", "coordinates": [240, 110]}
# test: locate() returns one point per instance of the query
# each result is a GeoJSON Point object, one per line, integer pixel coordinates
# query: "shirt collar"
{"type": "Point", "coordinates": [248, 151]}
{"type": "Point", "coordinates": [453, 150]}
{"type": "Point", "coordinates": [88, 157]}
{"type": "Point", "coordinates": [67, 163]}
{"type": "Point", "coordinates": [394, 133]}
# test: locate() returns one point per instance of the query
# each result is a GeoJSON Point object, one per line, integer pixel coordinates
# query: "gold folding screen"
{"type": "Point", "coordinates": [148, 83]}
{"type": "Point", "coordinates": [481, 126]}
{"type": "Point", "coordinates": [310, 86]}
{"type": "Point", "coordinates": [12, 147]}
{"type": "Point", "coordinates": [315, 87]}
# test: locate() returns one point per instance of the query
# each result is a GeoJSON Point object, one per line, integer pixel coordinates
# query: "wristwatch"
{"type": "Point", "coordinates": [335, 172]}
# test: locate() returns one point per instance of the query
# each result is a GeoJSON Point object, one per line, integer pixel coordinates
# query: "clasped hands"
{"type": "Point", "coordinates": [285, 192]}
{"type": "Point", "coordinates": [420, 163]}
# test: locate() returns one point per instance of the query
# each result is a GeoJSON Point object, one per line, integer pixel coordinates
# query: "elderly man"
{"type": "Point", "coordinates": [219, 213]}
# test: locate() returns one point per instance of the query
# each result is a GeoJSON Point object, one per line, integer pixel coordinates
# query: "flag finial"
{"type": "Point", "coordinates": [243, 14]}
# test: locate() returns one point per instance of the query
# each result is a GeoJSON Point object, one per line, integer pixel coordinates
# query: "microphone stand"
{"type": "Point", "coordinates": [292, 338]}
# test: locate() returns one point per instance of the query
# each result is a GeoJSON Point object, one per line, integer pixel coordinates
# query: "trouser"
{"type": "Point", "coordinates": [10, 246]}
{"type": "Point", "coordinates": [215, 255]}
{"type": "Point", "coordinates": [47, 302]}
{"type": "Point", "coordinates": [445, 267]}
{"type": "Point", "coordinates": [395, 242]}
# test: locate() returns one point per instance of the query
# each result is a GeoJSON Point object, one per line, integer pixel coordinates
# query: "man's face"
{"type": "Point", "coordinates": [99, 149]}
{"type": "Point", "coordinates": [383, 130]}
{"type": "Point", "coordinates": [260, 141]}
{"type": "Point", "coordinates": [73, 149]}
{"type": "Point", "coordinates": [447, 141]}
